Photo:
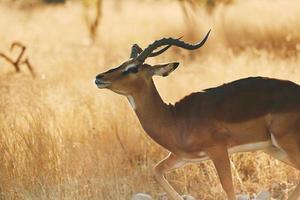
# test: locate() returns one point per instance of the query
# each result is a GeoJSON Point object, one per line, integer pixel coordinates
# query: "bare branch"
{"type": "Point", "coordinates": [17, 68]}
{"type": "Point", "coordinates": [19, 61]}
{"type": "Point", "coordinates": [22, 47]}
{"type": "Point", "coordinates": [29, 66]}
{"type": "Point", "coordinates": [93, 21]}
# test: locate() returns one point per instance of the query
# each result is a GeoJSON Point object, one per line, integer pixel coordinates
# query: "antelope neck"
{"type": "Point", "coordinates": [156, 117]}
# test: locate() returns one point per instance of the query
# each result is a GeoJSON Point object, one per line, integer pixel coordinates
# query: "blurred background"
{"type": "Point", "coordinates": [62, 138]}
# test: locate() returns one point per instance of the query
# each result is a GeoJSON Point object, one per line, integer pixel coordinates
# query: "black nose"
{"type": "Point", "coordinates": [99, 76]}
{"type": "Point", "coordinates": [97, 81]}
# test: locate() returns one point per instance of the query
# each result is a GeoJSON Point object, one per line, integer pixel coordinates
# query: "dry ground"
{"type": "Point", "coordinates": [62, 138]}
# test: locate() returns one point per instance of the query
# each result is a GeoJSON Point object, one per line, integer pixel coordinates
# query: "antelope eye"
{"type": "Point", "coordinates": [130, 70]}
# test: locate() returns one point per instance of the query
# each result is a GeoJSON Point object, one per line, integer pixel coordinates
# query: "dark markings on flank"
{"type": "Point", "coordinates": [244, 99]}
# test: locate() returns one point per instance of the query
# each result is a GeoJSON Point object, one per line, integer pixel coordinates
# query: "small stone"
{"type": "Point", "coordinates": [188, 197]}
{"type": "Point", "coordinates": [263, 195]}
{"type": "Point", "coordinates": [163, 196]}
{"type": "Point", "coordinates": [242, 197]}
{"type": "Point", "coordinates": [141, 196]}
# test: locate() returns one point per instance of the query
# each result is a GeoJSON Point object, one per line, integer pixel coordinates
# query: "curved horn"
{"type": "Point", "coordinates": [153, 54]}
{"type": "Point", "coordinates": [136, 50]}
{"type": "Point", "coordinates": [156, 53]}
{"type": "Point", "coordinates": [170, 42]}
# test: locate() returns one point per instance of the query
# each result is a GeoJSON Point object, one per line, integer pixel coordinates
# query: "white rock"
{"type": "Point", "coordinates": [163, 196]}
{"type": "Point", "coordinates": [242, 197]}
{"type": "Point", "coordinates": [263, 195]}
{"type": "Point", "coordinates": [188, 197]}
{"type": "Point", "coordinates": [141, 196]}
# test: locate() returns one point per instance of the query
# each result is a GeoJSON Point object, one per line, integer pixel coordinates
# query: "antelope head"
{"type": "Point", "coordinates": [131, 76]}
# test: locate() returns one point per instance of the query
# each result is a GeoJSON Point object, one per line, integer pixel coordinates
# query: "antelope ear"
{"type": "Point", "coordinates": [164, 70]}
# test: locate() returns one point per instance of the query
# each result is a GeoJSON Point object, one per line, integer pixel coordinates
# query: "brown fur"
{"type": "Point", "coordinates": [259, 113]}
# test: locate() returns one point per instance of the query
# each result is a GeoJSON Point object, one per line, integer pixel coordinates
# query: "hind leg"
{"type": "Point", "coordinates": [290, 144]}
{"type": "Point", "coordinates": [279, 154]}
{"type": "Point", "coordinates": [283, 156]}
{"type": "Point", "coordinates": [296, 194]}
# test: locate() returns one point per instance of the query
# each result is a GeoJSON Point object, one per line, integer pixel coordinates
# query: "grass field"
{"type": "Point", "coordinates": [62, 138]}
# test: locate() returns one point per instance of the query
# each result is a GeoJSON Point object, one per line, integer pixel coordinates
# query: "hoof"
{"type": "Point", "coordinates": [141, 196]}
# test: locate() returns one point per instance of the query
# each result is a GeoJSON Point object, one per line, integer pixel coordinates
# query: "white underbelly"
{"type": "Point", "coordinates": [235, 149]}
{"type": "Point", "coordinates": [250, 147]}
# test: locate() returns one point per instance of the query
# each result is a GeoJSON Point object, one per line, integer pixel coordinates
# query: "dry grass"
{"type": "Point", "coordinates": [62, 138]}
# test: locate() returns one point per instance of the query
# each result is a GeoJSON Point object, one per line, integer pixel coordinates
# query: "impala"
{"type": "Point", "coordinates": [249, 114]}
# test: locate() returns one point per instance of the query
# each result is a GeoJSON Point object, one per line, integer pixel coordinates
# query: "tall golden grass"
{"type": "Point", "coordinates": [62, 138]}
